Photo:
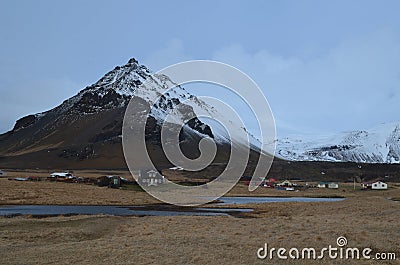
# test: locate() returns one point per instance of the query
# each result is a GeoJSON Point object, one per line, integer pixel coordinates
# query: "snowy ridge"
{"type": "Point", "coordinates": [377, 145]}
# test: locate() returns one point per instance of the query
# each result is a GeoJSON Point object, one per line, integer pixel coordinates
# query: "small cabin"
{"type": "Point", "coordinates": [374, 185]}
{"type": "Point", "coordinates": [333, 185]}
{"type": "Point", "coordinates": [329, 185]}
{"type": "Point", "coordinates": [151, 178]}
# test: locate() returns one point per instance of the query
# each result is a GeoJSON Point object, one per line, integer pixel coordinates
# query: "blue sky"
{"type": "Point", "coordinates": [324, 66]}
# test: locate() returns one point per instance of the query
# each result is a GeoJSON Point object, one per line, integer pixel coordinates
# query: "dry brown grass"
{"type": "Point", "coordinates": [367, 219]}
{"type": "Point", "coordinates": [44, 192]}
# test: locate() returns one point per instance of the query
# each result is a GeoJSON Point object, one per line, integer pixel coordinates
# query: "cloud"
{"type": "Point", "coordinates": [25, 95]}
{"type": "Point", "coordinates": [354, 85]}
{"type": "Point", "coordinates": [173, 52]}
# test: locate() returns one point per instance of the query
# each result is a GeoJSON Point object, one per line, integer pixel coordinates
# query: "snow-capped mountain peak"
{"type": "Point", "coordinates": [116, 88]}
{"type": "Point", "coordinates": [377, 145]}
{"type": "Point", "coordinates": [123, 79]}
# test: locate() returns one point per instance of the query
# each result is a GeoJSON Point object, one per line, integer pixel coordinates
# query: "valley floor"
{"type": "Point", "coordinates": [365, 218]}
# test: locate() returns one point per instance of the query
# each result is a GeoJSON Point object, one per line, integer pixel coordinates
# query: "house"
{"type": "Point", "coordinates": [115, 182]}
{"type": "Point", "coordinates": [374, 185]}
{"type": "Point", "coordinates": [333, 185]}
{"type": "Point", "coordinates": [329, 185]}
{"type": "Point", "coordinates": [269, 183]}
{"type": "Point", "coordinates": [110, 181]}
{"type": "Point", "coordinates": [151, 178]}
{"type": "Point", "coordinates": [64, 175]}
{"type": "Point", "coordinates": [286, 183]}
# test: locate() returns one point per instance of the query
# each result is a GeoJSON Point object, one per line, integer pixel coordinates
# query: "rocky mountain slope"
{"type": "Point", "coordinates": [85, 130]}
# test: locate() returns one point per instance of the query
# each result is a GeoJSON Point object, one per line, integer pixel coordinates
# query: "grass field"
{"type": "Point", "coordinates": [365, 218]}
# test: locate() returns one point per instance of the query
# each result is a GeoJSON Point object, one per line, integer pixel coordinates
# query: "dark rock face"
{"type": "Point", "coordinates": [110, 132]}
{"type": "Point", "coordinates": [25, 122]}
{"type": "Point", "coordinates": [202, 128]}
{"type": "Point", "coordinates": [79, 154]}
{"type": "Point", "coordinates": [91, 102]}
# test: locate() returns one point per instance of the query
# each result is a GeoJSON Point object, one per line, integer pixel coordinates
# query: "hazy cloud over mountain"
{"type": "Point", "coordinates": [354, 85]}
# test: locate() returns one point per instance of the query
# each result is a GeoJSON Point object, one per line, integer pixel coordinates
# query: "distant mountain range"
{"type": "Point", "coordinates": [377, 145]}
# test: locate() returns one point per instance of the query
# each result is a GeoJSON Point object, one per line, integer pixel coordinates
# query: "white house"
{"type": "Point", "coordinates": [333, 185]}
{"type": "Point", "coordinates": [374, 185]}
{"type": "Point", "coordinates": [62, 175]}
{"type": "Point", "coordinates": [379, 185]}
{"type": "Point", "coordinates": [152, 178]}
{"type": "Point", "coordinates": [329, 185]}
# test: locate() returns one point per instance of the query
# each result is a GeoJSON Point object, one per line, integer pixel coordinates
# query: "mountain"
{"type": "Point", "coordinates": [85, 130]}
{"type": "Point", "coordinates": [377, 145]}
